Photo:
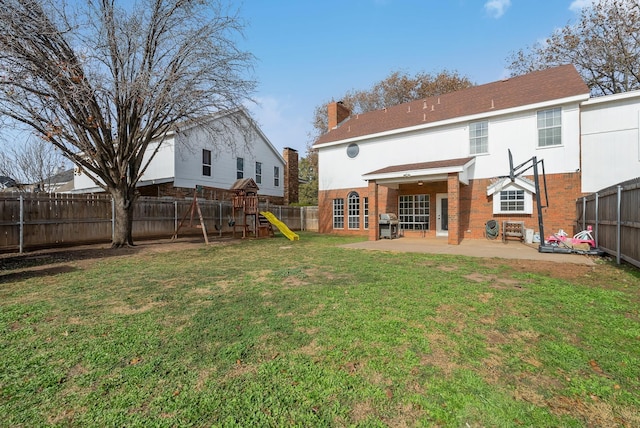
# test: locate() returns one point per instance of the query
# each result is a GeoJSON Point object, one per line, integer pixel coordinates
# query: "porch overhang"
{"type": "Point", "coordinates": [393, 176]}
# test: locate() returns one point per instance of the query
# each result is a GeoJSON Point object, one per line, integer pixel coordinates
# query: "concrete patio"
{"type": "Point", "coordinates": [473, 248]}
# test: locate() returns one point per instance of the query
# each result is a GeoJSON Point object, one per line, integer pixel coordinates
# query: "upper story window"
{"type": "Point", "coordinates": [240, 168]}
{"type": "Point", "coordinates": [258, 172]}
{"type": "Point", "coordinates": [206, 162]}
{"type": "Point", "coordinates": [353, 150]}
{"type": "Point", "coordinates": [479, 137]}
{"type": "Point", "coordinates": [276, 176]}
{"type": "Point", "coordinates": [550, 127]}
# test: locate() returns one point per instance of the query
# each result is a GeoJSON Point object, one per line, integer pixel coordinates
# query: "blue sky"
{"type": "Point", "coordinates": [311, 51]}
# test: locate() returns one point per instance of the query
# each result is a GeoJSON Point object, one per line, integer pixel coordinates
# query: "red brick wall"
{"type": "Point", "coordinates": [474, 206]}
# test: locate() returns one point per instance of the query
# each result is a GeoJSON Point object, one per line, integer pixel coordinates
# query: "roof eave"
{"type": "Point", "coordinates": [567, 100]}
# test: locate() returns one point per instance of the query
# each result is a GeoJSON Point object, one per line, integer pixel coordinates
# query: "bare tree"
{"type": "Point", "coordinates": [101, 81]}
{"type": "Point", "coordinates": [604, 45]}
{"type": "Point", "coordinates": [35, 162]}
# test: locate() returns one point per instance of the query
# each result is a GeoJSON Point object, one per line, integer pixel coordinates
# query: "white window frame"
{"type": "Point", "coordinates": [479, 137]}
{"type": "Point", "coordinates": [338, 213]}
{"type": "Point", "coordinates": [353, 210]}
{"type": "Point", "coordinates": [365, 211]}
{"type": "Point", "coordinates": [527, 200]}
{"type": "Point", "coordinates": [549, 124]}
{"type": "Point", "coordinates": [414, 212]}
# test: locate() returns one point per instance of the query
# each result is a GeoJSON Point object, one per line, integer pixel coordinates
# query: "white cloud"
{"type": "Point", "coordinates": [577, 5]}
{"type": "Point", "coordinates": [282, 123]}
{"type": "Point", "coordinates": [497, 8]}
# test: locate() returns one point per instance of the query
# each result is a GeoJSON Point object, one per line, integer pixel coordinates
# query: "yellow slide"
{"type": "Point", "coordinates": [280, 225]}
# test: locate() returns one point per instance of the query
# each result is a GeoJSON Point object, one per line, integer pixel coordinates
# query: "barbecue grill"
{"type": "Point", "coordinates": [388, 225]}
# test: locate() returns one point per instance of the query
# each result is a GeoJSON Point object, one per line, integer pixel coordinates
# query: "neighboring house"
{"type": "Point", "coordinates": [60, 182]}
{"type": "Point", "coordinates": [439, 163]}
{"type": "Point", "coordinates": [7, 183]}
{"type": "Point", "coordinates": [193, 158]}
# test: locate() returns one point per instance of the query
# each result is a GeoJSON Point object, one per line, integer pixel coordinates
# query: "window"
{"type": "Point", "coordinates": [240, 168]}
{"type": "Point", "coordinates": [258, 172]}
{"type": "Point", "coordinates": [352, 150]}
{"type": "Point", "coordinates": [338, 213]}
{"type": "Point", "coordinates": [354, 210]}
{"type": "Point", "coordinates": [414, 212]}
{"type": "Point", "coordinates": [550, 127]}
{"type": "Point", "coordinates": [206, 162]}
{"type": "Point", "coordinates": [365, 211]}
{"type": "Point", "coordinates": [479, 137]}
{"type": "Point", "coordinates": [276, 176]}
{"type": "Point", "coordinates": [512, 197]}
{"type": "Point", "coordinates": [512, 200]}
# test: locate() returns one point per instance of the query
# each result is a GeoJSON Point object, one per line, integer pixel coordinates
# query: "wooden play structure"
{"type": "Point", "coordinates": [245, 205]}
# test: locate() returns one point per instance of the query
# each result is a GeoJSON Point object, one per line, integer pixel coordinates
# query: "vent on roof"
{"type": "Point", "coordinates": [424, 117]}
{"type": "Point", "coordinates": [424, 104]}
{"type": "Point", "coordinates": [492, 105]}
{"type": "Point", "coordinates": [408, 109]}
{"type": "Point", "coordinates": [438, 100]}
{"type": "Point", "coordinates": [433, 107]}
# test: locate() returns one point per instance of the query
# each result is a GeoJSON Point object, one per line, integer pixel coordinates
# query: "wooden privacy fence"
{"type": "Point", "coordinates": [614, 215]}
{"type": "Point", "coordinates": [35, 220]}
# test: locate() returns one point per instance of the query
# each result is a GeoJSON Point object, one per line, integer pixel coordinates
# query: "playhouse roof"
{"type": "Point", "coordinates": [245, 184]}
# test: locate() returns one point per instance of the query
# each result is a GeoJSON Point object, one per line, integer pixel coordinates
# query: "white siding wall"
{"type": "Point", "coordinates": [188, 162]}
{"type": "Point", "coordinates": [516, 131]}
{"type": "Point", "coordinates": [610, 140]}
{"type": "Point", "coordinates": [180, 160]}
{"type": "Point", "coordinates": [161, 169]}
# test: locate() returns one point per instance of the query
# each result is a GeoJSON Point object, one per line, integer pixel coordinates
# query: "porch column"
{"type": "Point", "coordinates": [453, 190]}
{"type": "Point", "coordinates": [374, 235]}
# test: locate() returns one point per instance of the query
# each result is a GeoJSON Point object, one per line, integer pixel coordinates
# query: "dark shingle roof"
{"type": "Point", "coordinates": [423, 165]}
{"type": "Point", "coordinates": [539, 86]}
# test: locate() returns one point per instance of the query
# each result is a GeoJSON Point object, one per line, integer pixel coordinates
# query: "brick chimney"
{"type": "Point", "coordinates": [290, 175]}
{"type": "Point", "coordinates": [337, 112]}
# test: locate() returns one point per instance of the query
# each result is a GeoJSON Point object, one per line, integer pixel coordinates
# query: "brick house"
{"type": "Point", "coordinates": [211, 159]}
{"type": "Point", "coordinates": [437, 162]}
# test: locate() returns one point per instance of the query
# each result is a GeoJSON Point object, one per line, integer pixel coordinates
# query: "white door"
{"type": "Point", "coordinates": [442, 214]}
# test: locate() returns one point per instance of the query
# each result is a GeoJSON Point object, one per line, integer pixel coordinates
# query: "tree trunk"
{"type": "Point", "coordinates": [123, 203]}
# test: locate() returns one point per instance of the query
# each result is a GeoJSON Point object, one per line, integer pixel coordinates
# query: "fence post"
{"type": "Point", "coordinates": [618, 225]}
{"type": "Point", "coordinates": [113, 219]}
{"type": "Point", "coordinates": [302, 218]}
{"type": "Point", "coordinates": [597, 219]}
{"type": "Point", "coordinates": [220, 217]}
{"type": "Point", "coordinates": [175, 217]}
{"type": "Point", "coordinates": [21, 224]}
{"type": "Point", "coordinates": [584, 213]}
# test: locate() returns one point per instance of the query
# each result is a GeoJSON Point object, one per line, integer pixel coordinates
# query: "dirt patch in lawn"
{"type": "Point", "coordinates": [42, 263]}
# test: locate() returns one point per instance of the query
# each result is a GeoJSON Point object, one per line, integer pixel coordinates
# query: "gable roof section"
{"type": "Point", "coordinates": [533, 88]}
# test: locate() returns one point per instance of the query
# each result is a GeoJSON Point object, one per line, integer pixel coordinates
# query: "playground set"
{"type": "Point", "coordinates": [245, 206]}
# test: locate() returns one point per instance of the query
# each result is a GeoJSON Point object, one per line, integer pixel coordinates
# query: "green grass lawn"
{"type": "Point", "coordinates": [276, 333]}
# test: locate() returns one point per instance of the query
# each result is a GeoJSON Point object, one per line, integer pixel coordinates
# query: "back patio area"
{"type": "Point", "coordinates": [472, 248]}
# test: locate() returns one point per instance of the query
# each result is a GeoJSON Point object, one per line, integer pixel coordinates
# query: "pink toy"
{"type": "Point", "coordinates": [583, 237]}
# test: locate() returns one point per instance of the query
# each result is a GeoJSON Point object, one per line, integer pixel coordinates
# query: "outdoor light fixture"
{"type": "Point", "coordinates": [420, 183]}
